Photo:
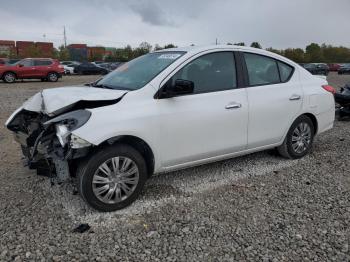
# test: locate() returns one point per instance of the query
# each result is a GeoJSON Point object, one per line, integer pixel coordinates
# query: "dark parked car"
{"type": "Point", "coordinates": [90, 69]}
{"type": "Point", "coordinates": [111, 65]}
{"type": "Point", "coordinates": [115, 65]}
{"type": "Point", "coordinates": [317, 69]}
{"type": "Point", "coordinates": [344, 69]}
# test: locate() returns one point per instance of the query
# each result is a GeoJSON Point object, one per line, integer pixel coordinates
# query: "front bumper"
{"type": "Point", "coordinates": [45, 154]}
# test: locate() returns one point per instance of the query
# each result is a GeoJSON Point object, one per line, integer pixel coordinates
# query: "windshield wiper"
{"type": "Point", "coordinates": [102, 86]}
{"type": "Point", "coordinates": [108, 86]}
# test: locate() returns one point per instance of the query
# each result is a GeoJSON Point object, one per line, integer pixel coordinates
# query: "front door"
{"type": "Point", "coordinates": [26, 68]}
{"type": "Point", "coordinates": [210, 122]}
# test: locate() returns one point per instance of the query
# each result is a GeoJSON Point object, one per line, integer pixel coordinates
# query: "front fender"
{"type": "Point", "coordinates": [103, 126]}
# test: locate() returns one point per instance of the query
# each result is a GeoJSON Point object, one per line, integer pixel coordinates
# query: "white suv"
{"type": "Point", "coordinates": [170, 110]}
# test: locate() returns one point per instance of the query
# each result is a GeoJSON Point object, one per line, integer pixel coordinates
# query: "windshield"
{"type": "Point", "coordinates": [19, 62]}
{"type": "Point", "coordinates": [138, 72]}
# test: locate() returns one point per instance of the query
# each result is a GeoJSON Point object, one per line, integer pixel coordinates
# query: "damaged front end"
{"type": "Point", "coordinates": [48, 143]}
{"type": "Point", "coordinates": [43, 126]}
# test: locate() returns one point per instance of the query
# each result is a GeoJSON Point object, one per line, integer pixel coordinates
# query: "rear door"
{"type": "Point", "coordinates": [42, 67]}
{"type": "Point", "coordinates": [275, 98]}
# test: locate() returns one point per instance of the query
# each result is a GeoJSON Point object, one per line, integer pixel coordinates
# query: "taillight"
{"type": "Point", "coordinates": [329, 89]}
{"type": "Point", "coordinates": [60, 66]}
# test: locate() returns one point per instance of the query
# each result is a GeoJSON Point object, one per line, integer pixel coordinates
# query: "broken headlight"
{"type": "Point", "coordinates": [67, 123]}
{"type": "Point", "coordinates": [77, 142]}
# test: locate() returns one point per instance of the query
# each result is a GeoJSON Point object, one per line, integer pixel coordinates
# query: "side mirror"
{"type": "Point", "coordinates": [20, 65]}
{"type": "Point", "coordinates": [181, 87]}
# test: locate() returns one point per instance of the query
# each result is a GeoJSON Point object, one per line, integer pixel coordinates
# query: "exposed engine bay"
{"type": "Point", "coordinates": [44, 129]}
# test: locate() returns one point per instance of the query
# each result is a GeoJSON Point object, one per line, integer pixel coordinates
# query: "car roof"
{"type": "Point", "coordinates": [192, 50]}
{"type": "Point", "coordinates": [200, 48]}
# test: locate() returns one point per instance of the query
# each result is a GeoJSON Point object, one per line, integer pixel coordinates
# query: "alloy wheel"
{"type": "Point", "coordinates": [301, 138]}
{"type": "Point", "coordinates": [9, 78]}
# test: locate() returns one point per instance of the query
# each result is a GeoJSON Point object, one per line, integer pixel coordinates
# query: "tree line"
{"type": "Point", "coordinates": [313, 53]}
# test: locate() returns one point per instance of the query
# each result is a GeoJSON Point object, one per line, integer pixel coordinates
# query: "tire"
{"type": "Point", "coordinates": [98, 194]}
{"type": "Point", "coordinates": [298, 148]}
{"type": "Point", "coordinates": [9, 77]}
{"type": "Point", "coordinates": [52, 77]}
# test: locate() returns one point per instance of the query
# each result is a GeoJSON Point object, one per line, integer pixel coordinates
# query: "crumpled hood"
{"type": "Point", "coordinates": [55, 100]}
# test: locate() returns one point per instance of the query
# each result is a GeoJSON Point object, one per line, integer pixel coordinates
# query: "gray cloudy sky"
{"type": "Point", "coordinates": [277, 23]}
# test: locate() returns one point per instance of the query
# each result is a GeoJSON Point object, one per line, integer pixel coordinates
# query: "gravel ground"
{"type": "Point", "coordinates": [256, 207]}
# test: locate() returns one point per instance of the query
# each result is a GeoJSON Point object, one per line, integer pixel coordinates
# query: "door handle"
{"type": "Point", "coordinates": [294, 97]}
{"type": "Point", "coordinates": [233, 105]}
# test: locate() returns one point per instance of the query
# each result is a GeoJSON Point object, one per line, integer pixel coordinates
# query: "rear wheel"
{"type": "Point", "coordinates": [9, 77]}
{"type": "Point", "coordinates": [299, 139]}
{"type": "Point", "coordinates": [52, 77]}
{"type": "Point", "coordinates": [112, 178]}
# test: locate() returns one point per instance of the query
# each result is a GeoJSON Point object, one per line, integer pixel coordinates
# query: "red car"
{"type": "Point", "coordinates": [46, 69]}
{"type": "Point", "coordinates": [334, 67]}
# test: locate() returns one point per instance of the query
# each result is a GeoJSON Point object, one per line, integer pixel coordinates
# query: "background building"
{"type": "Point", "coordinates": [96, 53]}
{"type": "Point", "coordinates": [45, 48]}
{"type": "Point", "coordinates": [7, 48]}
{"type": "Point", "coordinates": [78, 52]}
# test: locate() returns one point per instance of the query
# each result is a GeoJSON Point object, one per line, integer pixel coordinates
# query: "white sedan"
{"type": "Point", "coordinates": [169, 110]}
{"type": "Point", "coordinates": [68, 69]}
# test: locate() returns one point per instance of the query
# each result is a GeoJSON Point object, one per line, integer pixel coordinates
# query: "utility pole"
{"type": "Point", "coordinates": [64, 36]}
{"type": "Point", "coordinates": [216, 41]}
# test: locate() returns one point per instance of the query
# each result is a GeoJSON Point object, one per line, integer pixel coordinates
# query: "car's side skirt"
{"type": "Point", "coordinates": [216, 158]}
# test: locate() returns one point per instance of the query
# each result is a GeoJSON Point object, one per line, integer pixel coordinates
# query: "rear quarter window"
{"type": "Point", "coordinates": [286, 71]}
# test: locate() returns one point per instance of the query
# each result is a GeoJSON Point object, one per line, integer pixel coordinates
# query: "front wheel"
{"type": "Point", "coordinates": [9, 77]}
{"type": "Point", "coordinates": [299, 139]}
{"type": "Point", "coordinates": [112, 178]}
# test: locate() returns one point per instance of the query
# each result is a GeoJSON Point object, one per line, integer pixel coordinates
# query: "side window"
{"type": "Point", "coordinates": [210, 73]}
{"type": "Point", "coordinates": [285, 71]}
{"type": "Point", "coordinates": [262, 70]}
{"type": "Point", "coordinates": [42, 62]}
{"type": "Point", "coordinates": [26, 62]}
